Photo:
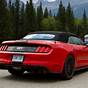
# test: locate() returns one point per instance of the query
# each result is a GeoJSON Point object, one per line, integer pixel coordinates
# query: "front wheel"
{"type": "Point", "coordinates": [68, 70]}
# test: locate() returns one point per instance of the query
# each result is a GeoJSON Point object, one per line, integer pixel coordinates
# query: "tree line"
{"type": "Point", "coordinates": [17, 20]}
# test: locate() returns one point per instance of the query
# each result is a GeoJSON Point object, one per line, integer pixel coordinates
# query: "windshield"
{"type": "Point", "coordinates": [40, 36]}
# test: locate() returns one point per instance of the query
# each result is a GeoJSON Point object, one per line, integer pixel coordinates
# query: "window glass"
{"type": "Point", "coordinates": [40, 36]}
{"type": "Point", "coordinates": [75, 40]}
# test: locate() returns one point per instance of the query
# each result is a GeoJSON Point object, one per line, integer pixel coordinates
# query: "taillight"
{"type": "Point", "coordinates": [3, 47]}
{"type": "Point", "coordinates": [43, 49]}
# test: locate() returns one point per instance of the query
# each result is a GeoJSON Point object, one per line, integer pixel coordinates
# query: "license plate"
{"type": "Point", "coordinates": [17, 58]}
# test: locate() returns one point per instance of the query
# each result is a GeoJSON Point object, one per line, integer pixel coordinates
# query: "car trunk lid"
{"type": "Point", "coordinates": [33, 46]}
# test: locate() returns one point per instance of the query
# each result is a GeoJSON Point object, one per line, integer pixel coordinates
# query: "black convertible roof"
{"type": "Point", "coordinates": [59, 36]}
{"type": "Point", "coordinates": [55, 32]}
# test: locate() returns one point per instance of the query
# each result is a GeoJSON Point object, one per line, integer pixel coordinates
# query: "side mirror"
{"type": "Point", "coordinates": [86, 44]}
{"type": "Point", "coordinates": [86, 40]}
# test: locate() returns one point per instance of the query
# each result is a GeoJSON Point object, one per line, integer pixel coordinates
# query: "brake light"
{"type": "Point", "coordinates": [43, 49]}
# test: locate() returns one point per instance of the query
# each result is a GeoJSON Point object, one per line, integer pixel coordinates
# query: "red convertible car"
{"type": "Point", "coordinates": [45, 52]}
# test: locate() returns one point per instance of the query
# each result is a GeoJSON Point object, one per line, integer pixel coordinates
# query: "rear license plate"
{"type": "Point", "coordinates": [17, 58]}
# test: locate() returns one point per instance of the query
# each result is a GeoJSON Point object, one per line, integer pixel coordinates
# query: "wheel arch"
{"type": "Point", "coordinates": [65, 72]}
{"type": "Point", "coordinates": [70, 54]}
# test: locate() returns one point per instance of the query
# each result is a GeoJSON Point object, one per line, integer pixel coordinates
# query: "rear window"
{"type": "Point", "coordinates": [40, 36]}
{"type": "Point", "coordinates": [63, 37]}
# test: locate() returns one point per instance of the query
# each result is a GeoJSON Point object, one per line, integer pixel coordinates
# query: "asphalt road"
{"type": "Point", "coordinates": [80, 80]}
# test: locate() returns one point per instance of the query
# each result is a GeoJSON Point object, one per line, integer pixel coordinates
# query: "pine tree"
{"type": "Point", "coordinates": [30, 17]}
{"type": "Point", "coordinates": [46, 13]}
{"type": "Point", "coordinates": [84, 23]}
{"type": "Point", "coordinates": [27, 21]}
{"type": "Point", "coordinates": [17, 19]}
{"type": "Point", "coordinates": [10, 4]}
{"type": "Point", "coordinates": [22, 29]}
{"type": "Point", "coordinates": [4, 21]}
{"type": "Point", "coordinates": [39, 16]}
{"type": "Point", "coordinates": [11, 18]}
{"type": "Point", "coordinates": [61, 17]}
{"type": "Point", "coordinates": [70, 23]}
{"type": "Point", "coordinates": [50, 13]}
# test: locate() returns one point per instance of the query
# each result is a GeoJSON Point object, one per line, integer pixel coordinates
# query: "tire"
{"type": "Point", "coordinates": [69, 68]}
{"type": "Point", "coordinates": [15, 72]}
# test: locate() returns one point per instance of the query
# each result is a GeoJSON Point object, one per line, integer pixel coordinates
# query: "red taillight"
{"type": "Point", "coordinates": [43, 49]}
{"type": "Point", "coordinates": [38, 49]}
{"type": "Point", "coordinates": [3, 47]}
{"type": "Point", "coordinates": [47, 49]}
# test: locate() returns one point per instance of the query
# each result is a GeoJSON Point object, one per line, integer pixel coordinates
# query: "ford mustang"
{"type": "Point", "coordinates": [45, 52]}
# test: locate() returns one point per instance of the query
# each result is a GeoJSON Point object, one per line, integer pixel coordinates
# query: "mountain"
{"type": "Point", "coordinates": [49, 5]}
{"type": "Point", "coordinates": [77, 5]}
{"type": "Point", "coordinates": [13, 1]}
{"type": "Point", "coordinates": [78, 10]}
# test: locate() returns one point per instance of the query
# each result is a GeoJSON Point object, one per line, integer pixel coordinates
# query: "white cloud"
{"type": "Point", "coordinates": [27, 0]}
{"type": "Point", "coordinates": [50, 0]}
{"type": "Point", "coordinates": [24, 1]}
{"type": "Point", "coordinates": [72, 1]}
{"type": "Point", "coordinates": [37, 0]}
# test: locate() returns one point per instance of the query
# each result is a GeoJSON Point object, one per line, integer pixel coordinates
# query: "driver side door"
{"type": "Point", "coordinates": [80, 51]}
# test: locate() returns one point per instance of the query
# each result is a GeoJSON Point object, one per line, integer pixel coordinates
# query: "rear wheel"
{"type": "Point", "coordinates": [68, 70]}
{"type": "Point", "coordinates": [16, 72]}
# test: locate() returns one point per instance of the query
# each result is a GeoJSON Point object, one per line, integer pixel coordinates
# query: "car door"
{"type": "Point", "coordinates": [80, 51]}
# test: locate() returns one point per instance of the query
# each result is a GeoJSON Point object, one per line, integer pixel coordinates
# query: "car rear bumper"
{"type": "Point", "coordinates": [32, 68]}
{"type": "Point", "coordinates": [31, 61]}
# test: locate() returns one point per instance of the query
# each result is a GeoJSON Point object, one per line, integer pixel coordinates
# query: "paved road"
{"type": "Point", "coordinates": [80, 80]}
